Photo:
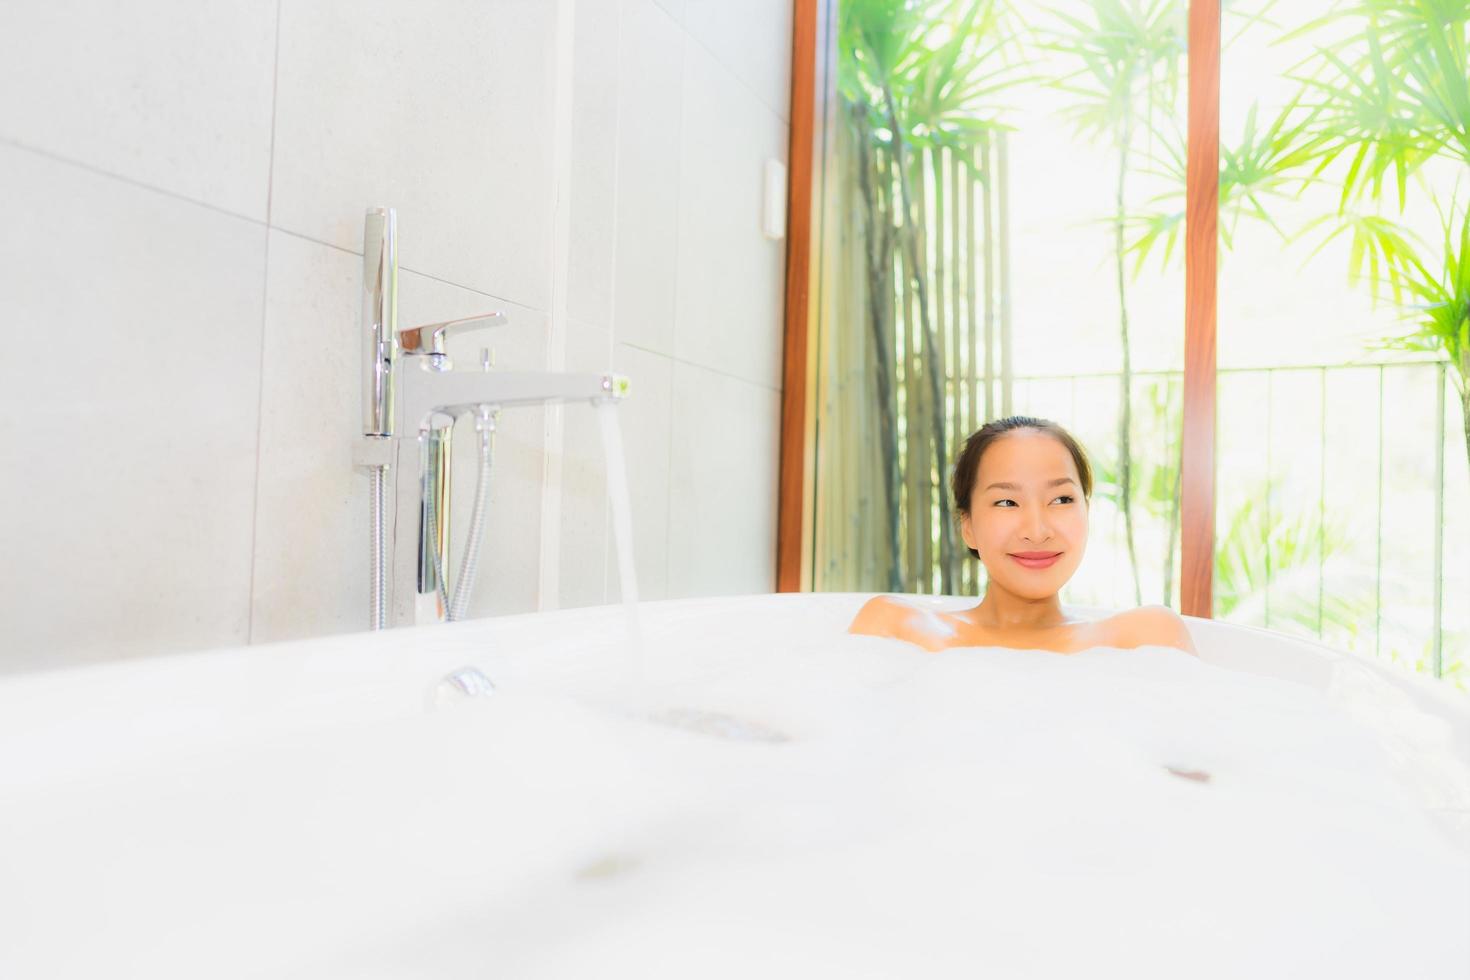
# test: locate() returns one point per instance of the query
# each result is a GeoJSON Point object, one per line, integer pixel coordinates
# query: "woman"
{"type": "Point", "coordinates": [1022, 488]}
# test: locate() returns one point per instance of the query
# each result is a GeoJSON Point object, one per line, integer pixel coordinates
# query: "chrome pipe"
{"type": "Point", "coordinates": [378, 559]}
{"type": "Point", "coordinates": [406, 605]}
{"type": "Point", "coordinates": [437, 443]}
{"type": "Point", "coordinates": [379, 319]}
{"type": "Point", "coordinates": [464, 585]}
{"type": "Point", "coordinates": [379, 326]}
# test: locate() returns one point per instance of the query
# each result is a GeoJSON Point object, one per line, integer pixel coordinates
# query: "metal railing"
{"type": "Point", "coordinates": [1436, 638]}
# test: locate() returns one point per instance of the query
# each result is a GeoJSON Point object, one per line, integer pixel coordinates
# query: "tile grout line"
{"type": "Point", "coordinates": [264, 318]}
{"type": "Point", "coordinates": [683, 28]}
{"type": "Point", "coordinates": [123, 178]}
{"type": "Point", "coordinates": [703, 367]}
{"type": "Point", "coordinates": [612, 304]}
{"type": "Point", "coordinates": [416, 272]}
{"type": "Point", "coordinates": [317, 241]}
{"type": "Point", "coordinates": [263, 223]}
{"type": "Point", "coordinates": [674, 340]}
{"type": "Point", "coordinates": [459, 285]}
{"type": "Point", "coordinates": [270, 173]}
{"type": "Point", "coordinates": [739, 79]}
{"type": "Point", "coordinates": [549, 564]}
{"type": "Point", "coordinates": [669, 489]}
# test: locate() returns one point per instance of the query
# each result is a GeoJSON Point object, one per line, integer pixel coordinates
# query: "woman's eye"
{"type": "Point", "coordinates": [1001, 503]}
{"type": "Point", "coordinates": [1064, 498]}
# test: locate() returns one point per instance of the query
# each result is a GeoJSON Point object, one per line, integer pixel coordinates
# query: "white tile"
{"type": "Point", "coordinates": [311, 546]}
{"type": "Point", "coordinates": [730, 276]}
{"type": "Point", "coordinates": [649, 121]}
{"type": "Point", "coordinates": [173, 94]}
{"type": "Point", "coordinates": [127, 417]}
{"type": "Point", "coordinates": [751, 38]}
{"type": "Point", "coordinates": [722, 488]}
{"type": "Point", "coordinates": [594, 161]}
{"type": "Point", "coordinates": [442, 110]}
{"type": "Point", "coordinates": [311, 575]}
{"type": "Point", "coordinates": [645, 421]}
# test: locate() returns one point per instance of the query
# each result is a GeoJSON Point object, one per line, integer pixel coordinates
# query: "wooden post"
{"type": "Point", "coordinates": [1197, 505]}
{"type": "Point", "coordinates": [794, 483]}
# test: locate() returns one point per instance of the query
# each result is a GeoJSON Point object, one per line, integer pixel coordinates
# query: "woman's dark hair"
{"type": "Point", "coordinates": [967, 467]}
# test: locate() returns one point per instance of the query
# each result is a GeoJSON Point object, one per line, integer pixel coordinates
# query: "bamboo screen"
{"type": "Point", "coordinates": [913, 355]}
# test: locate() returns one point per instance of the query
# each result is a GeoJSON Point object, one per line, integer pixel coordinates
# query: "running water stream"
{"type": "Point", "coordinates": [635, 688]}
{"type": "Point", "coordinates": [622, 518]}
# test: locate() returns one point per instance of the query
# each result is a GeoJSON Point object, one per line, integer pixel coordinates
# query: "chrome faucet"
{"type": "Point", "coordinates": [412, 395]}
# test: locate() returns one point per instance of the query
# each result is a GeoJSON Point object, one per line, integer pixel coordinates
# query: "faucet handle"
{"type": "Point", "coordinates": [429, 338]}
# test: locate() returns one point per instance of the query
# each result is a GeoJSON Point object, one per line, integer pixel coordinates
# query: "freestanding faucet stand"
{"type": "Point", "coordinates": [412, 395]}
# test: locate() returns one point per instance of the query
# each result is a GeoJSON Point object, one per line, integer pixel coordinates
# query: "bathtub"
{"type": "Point", "coordinates": [755, 794]}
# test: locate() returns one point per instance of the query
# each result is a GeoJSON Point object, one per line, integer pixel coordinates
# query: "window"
{"type": "Point", "coordinates": [1000, 230]}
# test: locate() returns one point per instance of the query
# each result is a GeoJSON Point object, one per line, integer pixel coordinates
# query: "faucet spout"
{"type": "Point", "coordinates": [425, 392]}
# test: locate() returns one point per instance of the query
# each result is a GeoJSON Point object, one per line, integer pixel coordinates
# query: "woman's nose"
{"type": "Point", "coordinates": [1037, 527]}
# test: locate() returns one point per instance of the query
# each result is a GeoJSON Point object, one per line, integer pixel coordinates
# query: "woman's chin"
{"type": "Point", "coordinates": [1032, 587]}
{"type": "Point", "coordinates": [1034, 584]}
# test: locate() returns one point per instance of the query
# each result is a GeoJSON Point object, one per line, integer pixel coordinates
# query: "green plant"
{"type": "Point", "coordinates": [1127, 56]}
{"type": "Point", "coordinates": [915, 76]}
{"type": "Point", "coordinates": [1261, 165]}
{"type": "Point", "coordinates": [1388, 91]}
{"type": "Point", "coordinates": [1385, 92]}
{"type": "Point", "coordinates": [1442, 313]}
{"type": "Point", "coordinates": [1387, 95]}
{"type": "Point", "coordinates": [1267, 562]}
{"type": "Point", "coordinates": [1154, 475]}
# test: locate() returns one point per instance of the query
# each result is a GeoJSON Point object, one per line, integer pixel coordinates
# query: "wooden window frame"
{"type": "Point", "coordinates": [811, 60]}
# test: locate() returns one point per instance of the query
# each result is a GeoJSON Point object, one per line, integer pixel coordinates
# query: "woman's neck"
{"type": "Point", "coordinates": [1001, 609]}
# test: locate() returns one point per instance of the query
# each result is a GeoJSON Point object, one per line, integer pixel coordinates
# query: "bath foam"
{"type": "Point", "coordinates": [1420, 746]}
{"type": "Point", "coordinates": [980, 812]}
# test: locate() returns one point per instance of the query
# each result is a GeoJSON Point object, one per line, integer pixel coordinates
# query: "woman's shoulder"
{"type": "Point", "coordinates": [892, 616]}
{"type": "Point", "coordinates": [881, 615]}
{"type": "Point", "coordinates": [1149, 626]}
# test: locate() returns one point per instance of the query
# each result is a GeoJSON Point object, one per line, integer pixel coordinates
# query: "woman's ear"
{"type": "Point", "coordinates": [967, 533]}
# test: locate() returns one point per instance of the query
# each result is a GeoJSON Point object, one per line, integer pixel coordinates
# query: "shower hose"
{"type": "Point", "coordinates": [456, 606]}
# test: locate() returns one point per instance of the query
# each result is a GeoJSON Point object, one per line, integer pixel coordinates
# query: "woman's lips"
{"type": "Point", "coordinates": [1036, 559]}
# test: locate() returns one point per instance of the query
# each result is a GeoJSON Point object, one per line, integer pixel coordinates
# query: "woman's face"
{"type": "Point", "coordinates": [1028, 518]}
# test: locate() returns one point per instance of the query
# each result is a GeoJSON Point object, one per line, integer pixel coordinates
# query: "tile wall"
{"type": "Point", "coordinates": [181, 262]}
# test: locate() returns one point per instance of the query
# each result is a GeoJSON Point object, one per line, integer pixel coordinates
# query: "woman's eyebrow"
{"type": "Point", "coordinates": [1053, 483]}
